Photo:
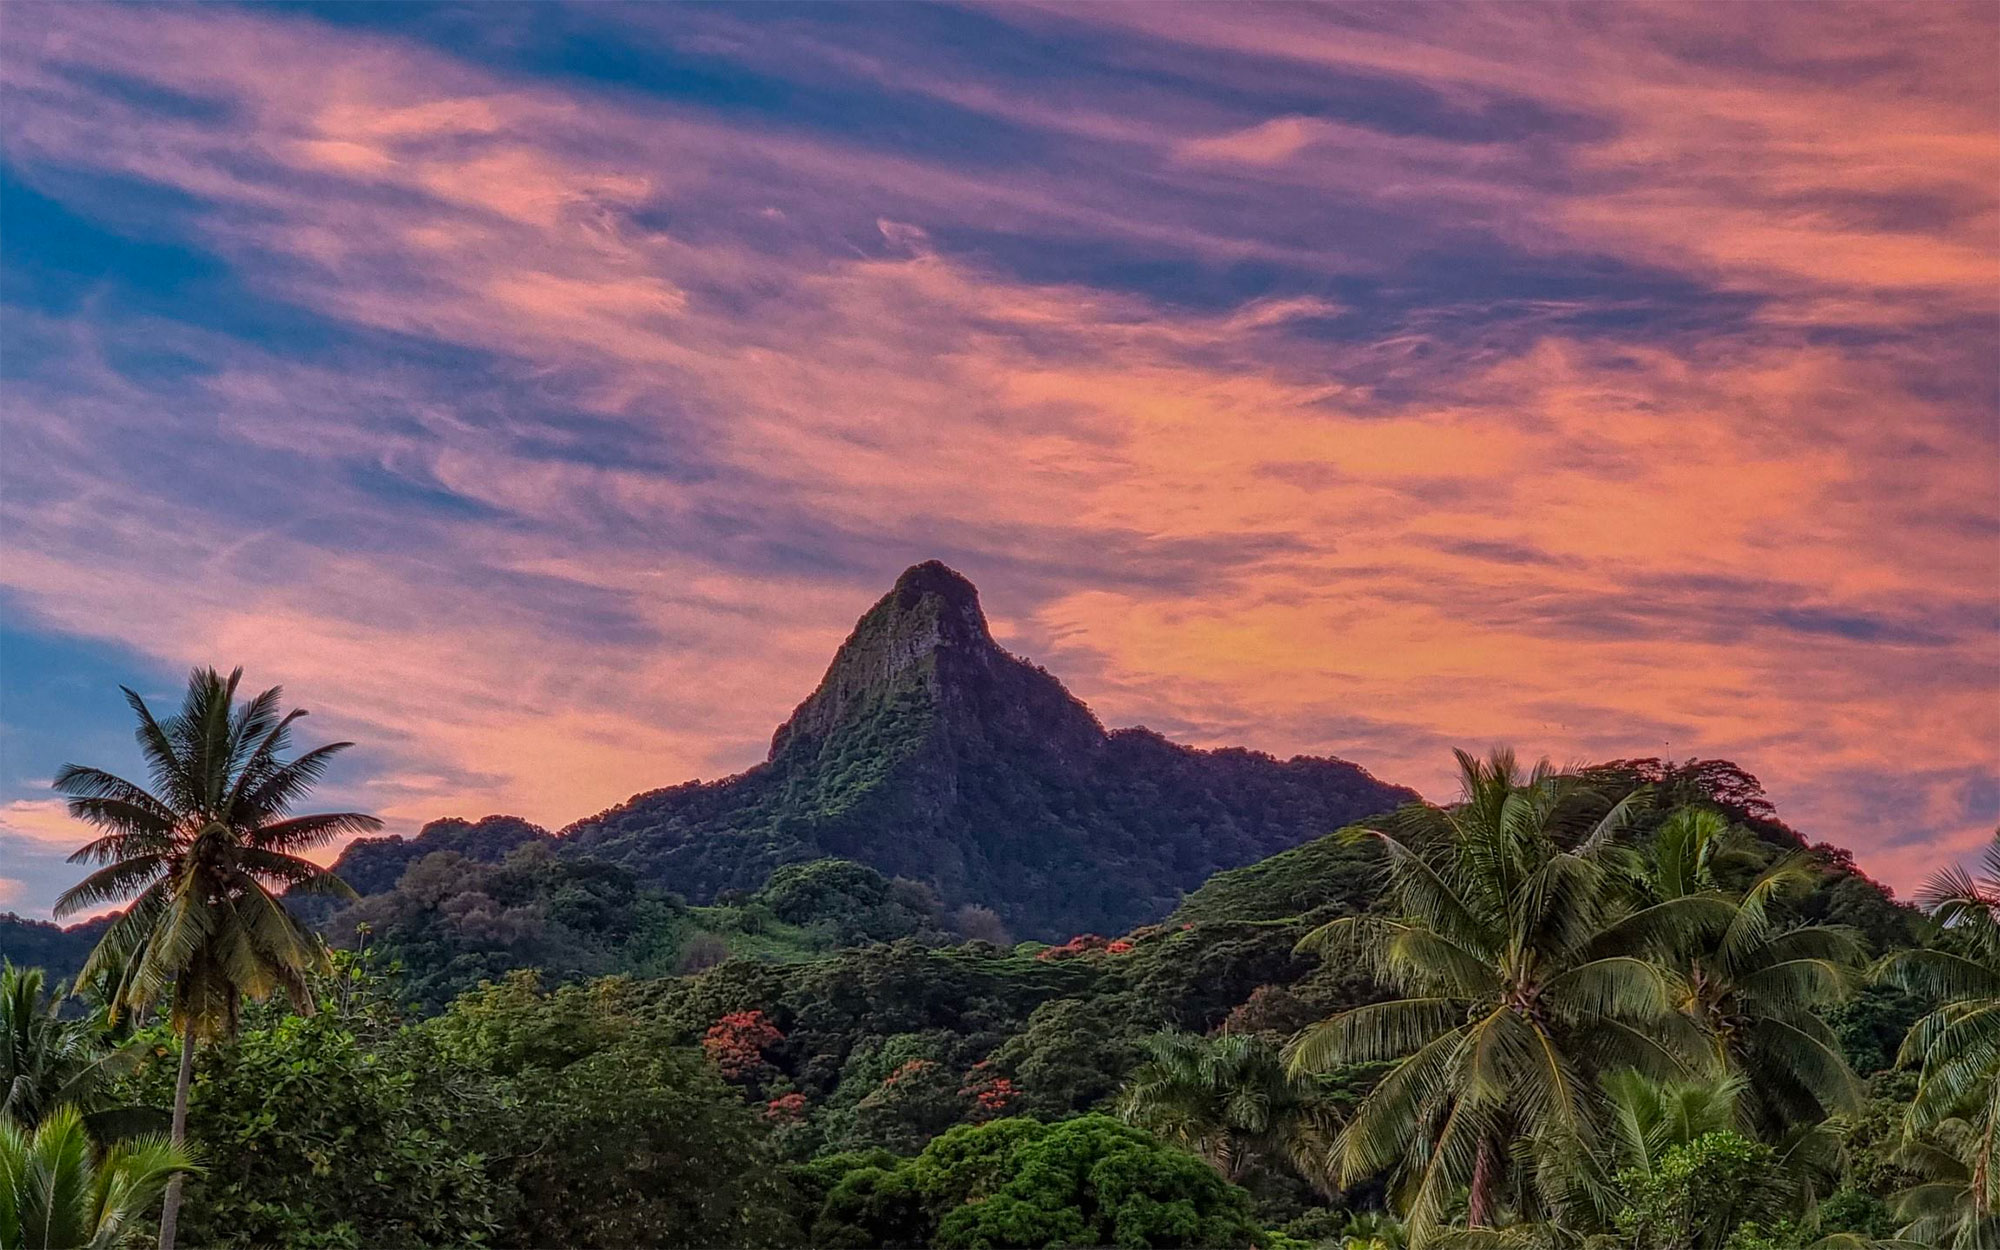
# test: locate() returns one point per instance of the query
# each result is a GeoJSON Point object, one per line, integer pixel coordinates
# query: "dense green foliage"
{"type": "Point", "coordinates": [374, 865]}
{"type": "Point", "coordinates": [516, 1118]}
{"type": "Point", "coordinates": [1089, 1181]}
{"type": "Point", "coordinates": [58, 1191]}
{"type": "Point", "coordinates": [451, 922]}
{"type": "Point", "coordinates": [1047, 1031]}
{"type": "Point", "coordinates": [339, 1129]}
{"type": "Point", "coordinates": [1701, 1193]}
{"type": "Point", "coordinates": [49, 1061]}
{"type": "Point", "coordinates": [847, 904]}
{"type": "Point", "coordinates": [605, 1131]}
{"type": "Point", "coordinates": [583, 1117]}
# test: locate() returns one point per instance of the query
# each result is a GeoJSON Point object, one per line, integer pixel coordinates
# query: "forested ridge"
{"type": "Point", "coordinates": [1622, 1006]}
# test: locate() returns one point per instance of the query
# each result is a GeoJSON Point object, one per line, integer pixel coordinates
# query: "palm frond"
{"type": "Point", "coordinates": [1380, 1131]}
{"type": "Point", "coordinates": [171, 781]}
{"type": "Point", "coordinates": [1620, 987]}
{"type": "Point", "coordinates": [83, 784]}
{"type": "Point", "coordinates": [1372, 1033]}
{"type": "Point", "coordinates": [286, 784]}
{"type": "Point", "coordinates": [306, 833]}
{"type": "Point", "coordinates": [1945, 974]}
{"type": "Point", "coordinates": [113, 883]}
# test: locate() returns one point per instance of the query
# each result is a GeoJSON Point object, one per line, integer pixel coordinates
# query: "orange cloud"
{"type": "Point", "coordinates": [1279, 518]}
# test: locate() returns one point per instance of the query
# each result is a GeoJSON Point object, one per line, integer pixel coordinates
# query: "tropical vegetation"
{"type": "Point", "coordinates": [49, 1061]}
{"type": "Point", "coordinates": [58, 1189]}
{"type": "Point", "coordinates": [1954, 1115]}
{"type": "Point", "coordinates": [1620, 1007]}
{"type": "Point", "coordinates": [199, 857]}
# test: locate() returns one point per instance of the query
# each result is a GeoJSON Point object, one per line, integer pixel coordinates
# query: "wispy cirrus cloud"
{"type": "Point", "coordinates": [541, 398]}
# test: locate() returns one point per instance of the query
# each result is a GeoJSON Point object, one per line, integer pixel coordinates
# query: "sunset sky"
{"type": "Point", "coordinates": [539, 393]}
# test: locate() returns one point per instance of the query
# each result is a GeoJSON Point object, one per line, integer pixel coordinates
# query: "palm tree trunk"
{"type": "Point", "coordinates": [1982, 1197]}
{"type": "Point", "coordinates": [1479, 1203]}
{"type": "Point", "coordinates": [170, 1212]}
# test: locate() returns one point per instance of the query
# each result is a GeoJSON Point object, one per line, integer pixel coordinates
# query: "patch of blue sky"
{"type": "Point", "coordinates": [122, 250]}
{"type": "Point", "coordinates": [59, 700]}
{"type": "Point", "coordinates": [626, 48]}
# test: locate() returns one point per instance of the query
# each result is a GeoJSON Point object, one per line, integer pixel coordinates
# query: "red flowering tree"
{"type": "Point", "coordinates": [736, 1043]}
{"type": "Point", "coordinates": [991, 1093]}
{"type": "Point", "coordinates": [914, 1068]}
{"type": "Point", "coordinates": [1081, 944]}
{"type": "Point", "coordinates": [786, 1108]}
{"type": "Point", "coordinates": [1089, 944]}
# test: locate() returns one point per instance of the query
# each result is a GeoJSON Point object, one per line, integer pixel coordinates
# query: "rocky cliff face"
{"type": "Point", "coordinates": [926, 646]}
{"type": "Point", "coordinates": [929, 752]}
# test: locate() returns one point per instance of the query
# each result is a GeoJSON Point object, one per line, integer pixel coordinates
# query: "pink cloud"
{"type": "Point", "coordinates": [43, 821]}
{"type": "Point", "coordinates": [1578, 543]}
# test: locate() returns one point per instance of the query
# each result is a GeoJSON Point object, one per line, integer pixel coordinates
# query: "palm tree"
{"type": "Point", "coordinates": [1508, 916]}
{"type": "Point", "coordinates": [1948, 1208]}
{"type": "Point", "coordinates": [1653, 1131]}
{"type": "Point", "coordinates": [1757, 987]}
{"type": "Point", "coordinates": [54, 1193]}
{"type": "Point", "coordinates": [1370, 1230]}
{"type": "Point", "coordinates": [1228, 1099]}
{"type": "Point", "coordinates": [203, 855]}
{"type": "Point", "coordinates": [1650, 1118]}
{"type": "Point", "coordinates": [1958, 1045]}
{"type": "Point", "coordinates": [46, 1060]}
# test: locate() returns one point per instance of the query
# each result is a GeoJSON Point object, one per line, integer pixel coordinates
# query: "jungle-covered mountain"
{"type": "Point", "coordinates": [855, 1047]}
{"type": "Point", "coordinates": [537, 1039]}
{"type": "Point", "coordinates": [930, 753]}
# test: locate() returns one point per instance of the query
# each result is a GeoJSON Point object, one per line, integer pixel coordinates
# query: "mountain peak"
{"type": "Point", "coordinates": [931, 605]}
{"type": "Point", "coordinates": [928, 751]}
{"type": "Point", "coordinates": [925, 649]}
{"type": "Point", "coordinates": [935, 577]}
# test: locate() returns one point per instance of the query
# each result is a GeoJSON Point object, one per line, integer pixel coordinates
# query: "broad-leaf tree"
{"type": "Point", "coordinates": [1650, 1119]}
{"type": "Point", "coordinates": [203, 852]}
{"type": "Point", "coordinates": [1500, 913]}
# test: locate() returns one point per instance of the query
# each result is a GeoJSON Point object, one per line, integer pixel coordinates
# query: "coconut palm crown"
{"type": "Point", "coordinates": [1229, 1099]}
{"type": "Point", "coordinates": [1510, 931]}
{"type": "Point", "coordinates": [1958, 1045]}
{"type": "Point", "coordinates": [203, 853]}
{"type": "Point", "coordinates": [1757, 986]}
